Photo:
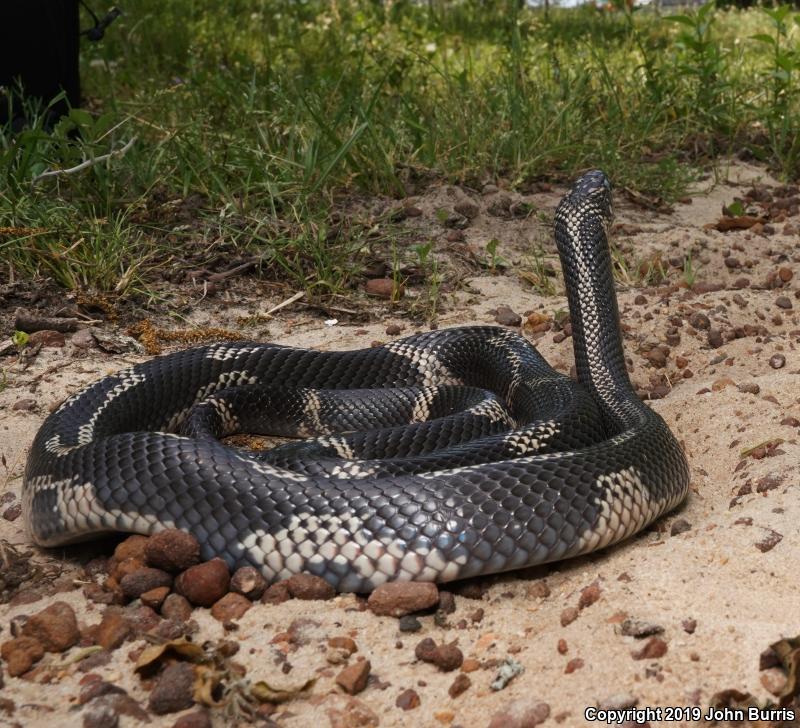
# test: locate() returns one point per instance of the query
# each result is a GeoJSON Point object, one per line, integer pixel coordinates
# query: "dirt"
{"type": "Point", "coordinates": [723, 587]}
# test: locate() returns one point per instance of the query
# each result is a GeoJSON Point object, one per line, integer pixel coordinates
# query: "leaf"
{"type": "Point", "coordinates": [685, 19]}
{"type": "Point", "coordinates": [764, 38]}
{"type": "Point", "coordinates": [206, 679]}
{"type": "Point", "coordinates": [269, 692]}
{"type": "Point", "coordinates": [152, 656]}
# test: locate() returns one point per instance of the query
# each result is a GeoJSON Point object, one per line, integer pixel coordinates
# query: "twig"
{"type": "Point", "coordinates": [86, 163]}
{"type": "Point", "coordinates": [297, 296]}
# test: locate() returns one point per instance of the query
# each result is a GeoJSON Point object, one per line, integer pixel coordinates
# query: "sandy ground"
{"type": "Point", "coordinates": [732, 571]}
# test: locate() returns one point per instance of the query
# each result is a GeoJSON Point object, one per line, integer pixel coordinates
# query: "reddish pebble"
{"type": "Point", "coordinates": [198, 719]}
{"type": "Point", "coordinates": [407, 700]}
{"type": "Point", "coordinates": [397, 598]}
{"type": "Point", "coordinates": [248, 582]}
{"type": "Point", "coordinates": [385, 288]}
{"type": "Point", "coordinates": [562, 647]}
{"type": "Point", "coordinates": [177, 608]}
{"type": "Point", "coordinates": [172, 550]}
{"type": "Point", "coordinates": [276, 594]}
{"type": "Point", "coordinates": [132, 547]}
{"type": "Point", "coordinates": [20, 654]}
{"type": "Point", "coordinates": [589, 595]}
{"type": "Point", "coordinates": [459, 685]}
{"type": "Point", "coordinates": [343, 643]}
{"type": "Point", "coordinates": [654, 648]}
{"type": "Point", "coordinates": [205, 583]}
{"type": "Point", "coordinates": [231, 607]}
{"type": "Point", "coordinates": [574, 664]}
{"type": "Point", "coordinates": [353, 678]}
{"type": "Point", "coordinates": [308, 586]}
{"type": "Point", "coordinates": [138, 582]}
{"type": "Point", "coordinates": [113, 630]}
{"type": "Point", "coordinates": [154, 598]}
{"type": "Point", "coordinates": [55, 627]}
{"type": "Point", "coordinates": [569, 615]}
{"type": "Point", "coordinates": [522, 713]}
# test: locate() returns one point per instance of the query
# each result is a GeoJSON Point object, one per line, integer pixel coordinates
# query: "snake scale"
{"type": "Point", "coordinates": [477, 457]}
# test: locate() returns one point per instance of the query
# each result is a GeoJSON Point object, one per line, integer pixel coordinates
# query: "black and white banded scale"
{"type": "Point", "coordinates": [439, 456]}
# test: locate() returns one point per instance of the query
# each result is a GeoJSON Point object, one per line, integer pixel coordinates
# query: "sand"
{"type": "Point", "coordinates": [723, 589]}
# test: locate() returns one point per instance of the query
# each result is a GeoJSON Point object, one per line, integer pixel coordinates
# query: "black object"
{"type": "Point", "coordinates": [98, 30]}
{"type": "Point", "coordinates": [39, 44]}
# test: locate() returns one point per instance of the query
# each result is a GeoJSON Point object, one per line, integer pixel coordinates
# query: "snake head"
{"type": "Point", "coordinates": [595, 186]}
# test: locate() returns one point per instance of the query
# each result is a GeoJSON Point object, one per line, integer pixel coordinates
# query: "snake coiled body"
{"type": "Point", "coordinates": [488, 460]}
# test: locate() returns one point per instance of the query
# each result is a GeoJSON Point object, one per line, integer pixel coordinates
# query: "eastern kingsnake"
{"type": "Point", "coordinates": [534, 468]}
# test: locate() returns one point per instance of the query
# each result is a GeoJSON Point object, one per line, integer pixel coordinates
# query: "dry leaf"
{"type": "Point", "coordinates": [151, 656]}
{"type": "Point", "coordinates": [270, 692]}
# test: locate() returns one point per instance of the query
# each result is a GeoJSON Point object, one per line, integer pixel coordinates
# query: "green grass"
{"type": "Point", "coordinates": [269, 109]}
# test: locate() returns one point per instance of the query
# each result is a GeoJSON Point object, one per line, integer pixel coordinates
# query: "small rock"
{"type": "Point", "coordinates": [459, 685]}
{"type": "Point", "coordinates": [154, 598]}
{"type": "Point", "coordinates": [83, 339]}
{"type": "Point", "coordinates": [620, 701]}
{"type": "Point", "coordinates": [231, 607]}
{"type": "Point", "coordinates": [24, 405]}
{"type": "Point", "coordinates": [176, 607]}
{"type": "Point", "coordinates": [276, 594]}
{"type": "Point", "coordinates": [174, 689]}
{"type": "Point", "coordinates": [172, 550]}
{"type": "Point", "coordinates": [699, 321]}
{"type": "Point", "coordinates": [777, 361]}
{"type": "Point", "coordinates": [394, 330]}
{"type": "Point", "coordinates": [385, 288]}
{"type": "Point", "coordinates": [425, 650]}
{"type": "Point", "coordinates": [467, 208]}
{"type": "Point", "coordinates": [309, 587]}
{"type": "Point", "coordinates": [538, 590]}
{"type": "Point", "coordinates": [100, 715]}
{"type": "Point", "coordinates": [506, 317]}
{"type": "Point", "coordinates": [783, 302]}
{"type": "Point", "coordinates": [447, 657]}
{"type": "Point", "coordinates": [55, 627]}
{"type": "Point", "coordinates": [689, 625]}
{"type": "Point", "coordinates": [715, 338]}
{"type": "Point", "coordinates": [589, 595]}
{"type": "Point", "coordinates": [343, 643]}
{"type": "Point", "coordinates": [409, 623]}
{"type": "Point", "coordinates": [47, 337]}
{"type": "Point", "coordinates": [654, 648]}
{"type": "Point", "coordinates": [785, 274]}
{"type": "Point", "coordinates": [679, 526]}
{"type": "Point", "coordinates": [575, 663]}
{"type": "Point", "coordinates": [749, 388]}
{"type": "Point", "coordinates": [248, 582]}
{"type": "Point", "coordinates": [407, 700]}
{"type": "Point", "coordinates": [447, 602]}
{"type": "Point", "coordinates": [20, 654]}
{"type": "Point", "coordinates": [639, 628]}
{"type": "Point", "coordinates": [354, 714]}
{"type": "Point", "coordinates": [12, 513]}
{"type": "Point", "coordinates": [132, 547]}
{"type": "Point", "coordinates": [569, 615]}
{"type": "Point", "coordinates": [198, 719]}
{"type": "Point", "coordinates": [138, 582]}
{"type": "Point", "coordinates": [397, 598]}
{"type": "Point", "coordinates": [523, 713]}
{"type": "Point", "coordinates": [770, 541]}
{"type": "Point", "coordinates": [113, 630]}
{"type": "Point", "coordinates": [353, 678]}
{"type": "Point", "coordinates": [205, 583]}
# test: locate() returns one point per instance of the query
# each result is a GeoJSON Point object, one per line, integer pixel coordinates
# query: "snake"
{"type": "Point", "coordinates": [446, 454]}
